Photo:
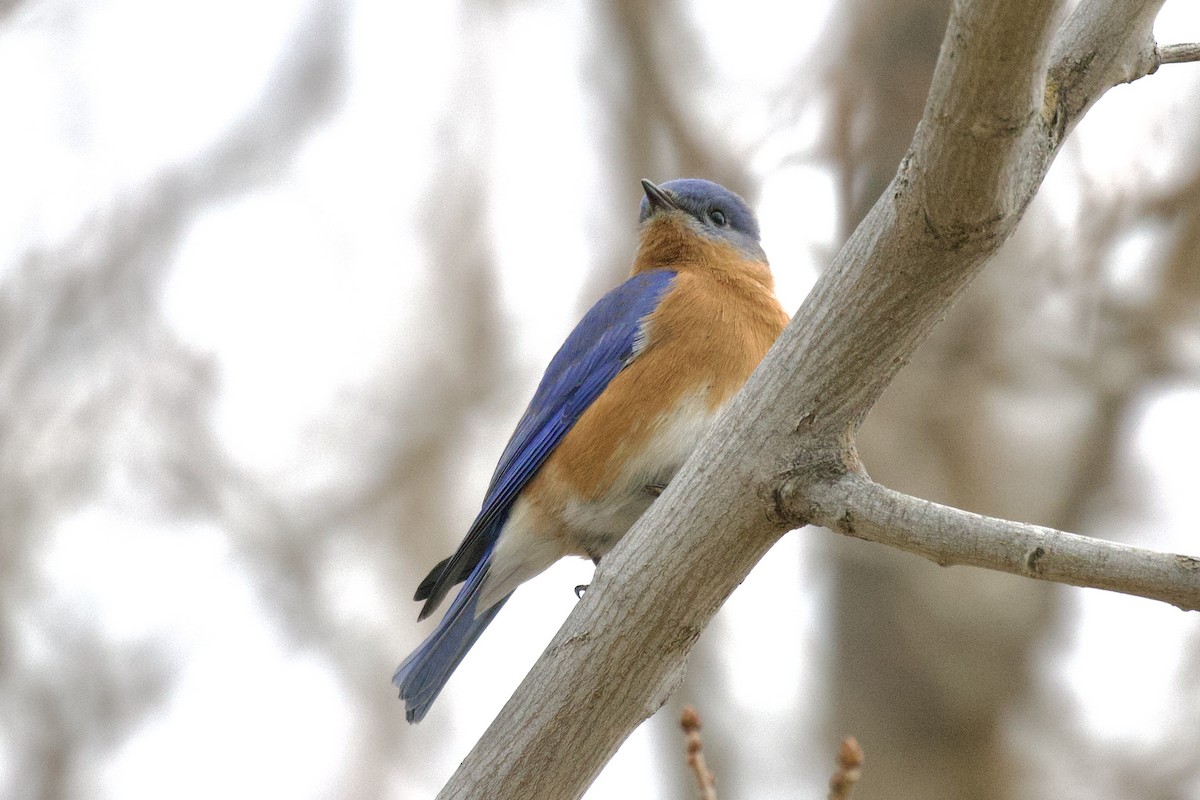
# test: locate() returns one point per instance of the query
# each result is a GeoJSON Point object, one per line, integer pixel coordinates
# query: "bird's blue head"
{"type": "Point", "coordinates": [710, 209]}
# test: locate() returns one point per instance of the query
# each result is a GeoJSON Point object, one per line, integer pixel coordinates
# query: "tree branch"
{"type": "Point", "coordinates": [859, 507]}
{"type": "Point", "coordinates": [1102, 44]}
{"type": "Point", "coordinates": [1001, 101]}
{"type": "Point", "coordinates": [1179, 53]}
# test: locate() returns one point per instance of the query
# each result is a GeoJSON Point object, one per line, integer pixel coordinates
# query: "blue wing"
{"type": "Point", "coordinates": [601, 345]}
{"type": "Point", "coordinates": [604, 341]}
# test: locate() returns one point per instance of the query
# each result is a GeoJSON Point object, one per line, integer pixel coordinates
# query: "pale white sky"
{"type": "Point", "coordinates": [95, 116]}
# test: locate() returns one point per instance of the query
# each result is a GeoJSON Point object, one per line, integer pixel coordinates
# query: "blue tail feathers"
{"type": "Point", "coordinates": [423, 674]}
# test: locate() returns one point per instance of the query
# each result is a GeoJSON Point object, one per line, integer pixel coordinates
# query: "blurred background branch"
{"type": "Point", "coordinates": [273, 286]}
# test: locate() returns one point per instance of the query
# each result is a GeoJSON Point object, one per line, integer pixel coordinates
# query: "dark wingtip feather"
{"type": "Point", "coordinates": [427, 609]}
{"type": "Point", "coordinates": [450, 572]}
{"type": "Point", "coordinates": [430, 580]}
{"type": "Point", "coordinates": [439, 587]}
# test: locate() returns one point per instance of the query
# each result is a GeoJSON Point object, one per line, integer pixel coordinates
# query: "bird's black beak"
{"type": "Point", "coordinates": [659, 199]}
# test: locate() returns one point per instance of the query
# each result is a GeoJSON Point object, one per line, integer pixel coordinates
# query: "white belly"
{"type": "Point", "coordinates": [597, 524]}
{"type": "Point", "coordinates": [533, 538]}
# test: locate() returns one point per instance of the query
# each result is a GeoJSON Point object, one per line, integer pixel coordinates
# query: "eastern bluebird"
{"type": "Point", "coordinates": [622, 405]}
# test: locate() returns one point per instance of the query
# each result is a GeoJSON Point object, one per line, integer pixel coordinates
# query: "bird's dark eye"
{"type": "Point", "coordinates": [718, 217]}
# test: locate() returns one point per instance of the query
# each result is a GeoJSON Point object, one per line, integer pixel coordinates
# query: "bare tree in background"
{"type": "Point", "coordinates": [95, 383]}
{"type": "Point", "coordinates": [978, 422]}
{"type": "Point", "coordinates": [1132, 353]}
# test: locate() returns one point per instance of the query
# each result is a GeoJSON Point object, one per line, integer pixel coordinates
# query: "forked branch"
{"type": "Point", "coordinates": [1007, 89]}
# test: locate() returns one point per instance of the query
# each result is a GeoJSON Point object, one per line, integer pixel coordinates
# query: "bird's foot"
{"type": "Point", "coordinates": [580, 589]}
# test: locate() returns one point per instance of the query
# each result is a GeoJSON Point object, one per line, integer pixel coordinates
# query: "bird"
{"type": "Point", "coordinates": [623, 403]}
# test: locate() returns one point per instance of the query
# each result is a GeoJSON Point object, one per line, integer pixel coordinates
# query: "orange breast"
{"type": "Point", "coordinates": [705, 338]}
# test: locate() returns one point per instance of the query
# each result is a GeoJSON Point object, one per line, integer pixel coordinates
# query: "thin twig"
{"type": "Point", "coordinates": [690, 722]}
{"type": "Point", "coordinates": [849, 761]}
{"type": "Point", "coordinates": [1179, 53]}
